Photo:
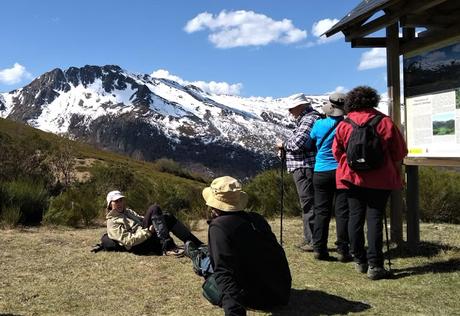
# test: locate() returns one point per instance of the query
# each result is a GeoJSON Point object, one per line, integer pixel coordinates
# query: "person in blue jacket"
{"type": "Point", "coordinates": [326, 195]}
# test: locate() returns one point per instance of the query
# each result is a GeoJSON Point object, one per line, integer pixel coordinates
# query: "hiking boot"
{"type": "Point", "coordinates": [344, 257]}
{"type": "Point", "coordinates": [304, 246]}
{"type": "Point", "coordinates": [191, 249]}
{"type": "Point", "coordinates": [323, 256]}
{"type": "Point", "coordinates": [377, 273]}
{"type": "Point", "coordinates": [175, 252]}
{"type": "Point", "coordinates": [361, 267]}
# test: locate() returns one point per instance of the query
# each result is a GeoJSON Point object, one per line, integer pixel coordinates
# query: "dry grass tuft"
{"type": "Point", "coordinates": [51, 271]}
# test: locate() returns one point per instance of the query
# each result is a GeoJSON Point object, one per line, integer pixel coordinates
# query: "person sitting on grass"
{"type": "Point", "coordinates": [244, 265]}
{"type": "Point", "coordinates": [127, 230]}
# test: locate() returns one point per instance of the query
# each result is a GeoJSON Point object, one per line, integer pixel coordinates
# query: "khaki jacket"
{"type": "Point", "coordinates": [126, 228]}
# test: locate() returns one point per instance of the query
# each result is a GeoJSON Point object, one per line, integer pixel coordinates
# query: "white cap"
{"type": "Point", "coordinates": [113, 196]}
{"type": "Point", "coordinates": [296, 100]}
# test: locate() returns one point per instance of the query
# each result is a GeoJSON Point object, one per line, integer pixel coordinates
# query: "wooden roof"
{"type": "Point", "coordinates": [441, 18]}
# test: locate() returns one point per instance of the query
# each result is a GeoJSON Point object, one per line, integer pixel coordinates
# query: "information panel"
{"type": "Point", "coordinates": [432, 93]}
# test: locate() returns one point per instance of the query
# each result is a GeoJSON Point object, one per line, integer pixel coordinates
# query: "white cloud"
{"type": "Point", "coordinates": [374, 58]}
{"type": "Point", "coordinates": [211, 87]}
{"type": "Point", "coordinates": [14, 75]}
{"type": "Point", "coordinates": [321, 27]}
{"type": "Point", "coordinates": [244, 28]}
{"type": "Point", "coordinates": [338, 89]}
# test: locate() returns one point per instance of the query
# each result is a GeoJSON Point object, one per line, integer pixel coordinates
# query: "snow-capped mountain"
{"type": "Point", "coordinates": [151, 118]}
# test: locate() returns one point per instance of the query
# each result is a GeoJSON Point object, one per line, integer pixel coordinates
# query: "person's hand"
{"type": "Point", "coordinates": [151, 229]}
{"type": "Point", "coordinates": [279, 145]}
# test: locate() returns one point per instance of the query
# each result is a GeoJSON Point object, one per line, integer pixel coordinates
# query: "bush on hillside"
{"type": "Point", "coordinates": [27, 196]}
{"type": "Point", "coordinates": [26, 158]}
{"type": "Point", "coordinates": [74, 207]}
{"type": "Point", "coordinates": [172, 167]}
{"type": "Point", "coordinates": [439, 195]}
{"type": "Point", "coordinates": [265, 194]}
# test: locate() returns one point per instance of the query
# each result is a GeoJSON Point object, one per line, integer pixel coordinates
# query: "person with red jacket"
{"type": "Point", "coordinates": [368, 190]}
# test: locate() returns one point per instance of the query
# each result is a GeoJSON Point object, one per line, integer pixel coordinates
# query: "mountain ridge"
{"type": "Point", "coordinates": [150, 118]}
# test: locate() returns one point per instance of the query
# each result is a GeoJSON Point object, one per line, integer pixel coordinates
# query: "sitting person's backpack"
{"type": "Point", "coordinates": [364, 148]}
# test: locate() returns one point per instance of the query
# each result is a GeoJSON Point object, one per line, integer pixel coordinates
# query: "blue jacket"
{"type": "Point", "coordinates": [325, 160]}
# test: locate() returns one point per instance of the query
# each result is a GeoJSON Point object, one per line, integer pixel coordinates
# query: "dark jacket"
{"type": "Point", "coordinates": [250, 267]}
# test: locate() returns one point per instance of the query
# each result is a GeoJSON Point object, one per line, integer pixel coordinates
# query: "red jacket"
{"type": "Point", "coordinates": [387, 176]}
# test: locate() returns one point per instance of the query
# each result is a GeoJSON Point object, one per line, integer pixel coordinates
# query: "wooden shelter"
{"type": "Point", "coordinates": [392, 24]}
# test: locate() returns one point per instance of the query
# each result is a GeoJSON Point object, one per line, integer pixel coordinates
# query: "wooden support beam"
{"type": "Point", "coordinates": [413, 207]}
{"type": "Point", "coordinates": [438, 39]}
{"type": "Point", "coordinates": [389, 18]}
{"type": "Point", "coordinates": [426, 20]}
{"type": "Point", "coordinates": [372, 27]}
{"type": "Point", "coordinates": [394, 91]}
{"type": "Point", "coordinates": [368, 42]}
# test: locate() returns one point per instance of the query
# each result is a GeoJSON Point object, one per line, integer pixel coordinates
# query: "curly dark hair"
{"type": "Point", "coordinates": [361, 97]}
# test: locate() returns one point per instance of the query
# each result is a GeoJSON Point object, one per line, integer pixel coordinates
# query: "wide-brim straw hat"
{"type": "Point", "coordinates": [225, 194]}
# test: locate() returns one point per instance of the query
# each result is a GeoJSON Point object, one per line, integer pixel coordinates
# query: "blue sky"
{"type": "Point", "coordinates": [245, 47]}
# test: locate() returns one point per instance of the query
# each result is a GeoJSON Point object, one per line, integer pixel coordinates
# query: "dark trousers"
{"type": "Point", "coordinates": [303, 178]}
{"type": "Point", "coordinates": [327, 198]}
{"type": "Point", "coordinates": [367, 204]}
{"type": "Point", "coordinates": [167, 223]}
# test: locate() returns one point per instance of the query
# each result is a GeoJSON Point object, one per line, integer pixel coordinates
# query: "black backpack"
{"type": "Point", "coordinates": [364, 149]}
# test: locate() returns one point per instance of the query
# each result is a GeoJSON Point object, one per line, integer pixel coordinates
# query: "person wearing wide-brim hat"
{"type": "Point", "coordinates": [327, 195]}
{"type": "Point", "coordinates": [250, 267]}
{"type": "Point", "coordinates": [300, 160]}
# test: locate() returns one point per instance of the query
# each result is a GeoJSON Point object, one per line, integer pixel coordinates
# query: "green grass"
{"type": "Point", "coordinates": [50, 271]}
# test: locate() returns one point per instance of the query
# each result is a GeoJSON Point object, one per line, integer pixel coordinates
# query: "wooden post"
{"type": "Point", "coordinates": [394, 92]}
{"type": "Point", "coordinates": [412, 192]}
{"type": "Point", "coordinates": [412, 202]}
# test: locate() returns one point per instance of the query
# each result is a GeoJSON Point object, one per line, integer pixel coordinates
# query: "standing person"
{"type": "Point", "coordinates": [247, 264]}
{"type": "Point", "coordinates": [368, 190]}
{"type": "Point", "coordinates": [143, 234]}
{"type": "Point", "coordinates": [326, 194]}
{"type": "Point", "coordinates": [300, 161]}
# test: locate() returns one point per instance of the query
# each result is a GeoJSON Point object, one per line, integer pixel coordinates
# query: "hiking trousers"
{"type": "Point", "coordinates": [328, 199]}
{"type": "Point", "coordinates": [303, 179]}
{"type": "Point", "coordinates": [367, 204]}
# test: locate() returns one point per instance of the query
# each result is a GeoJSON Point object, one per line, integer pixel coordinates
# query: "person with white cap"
{"type": "Point", "coordinates": [249, 266]}
{"type": "Point", "coordinates": [144, 234]}
{"type": "Point", "coordinates": [326, 193]}
{"type": "Point", "coordinates": [300, 161]}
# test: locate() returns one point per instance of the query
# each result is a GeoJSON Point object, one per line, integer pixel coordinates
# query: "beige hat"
{"type": "Point", "coordinates": [113, 196]}
{"type": "Point", "coordinates": [296, 100]}
{"type": "Point", "coordinates": [335, 105]}
{"type": "Point", "coordinates": [225, 194]}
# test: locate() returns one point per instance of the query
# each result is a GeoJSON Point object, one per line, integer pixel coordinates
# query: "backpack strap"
{"type": "Point", "coordinates": [318, 147]}
{"type": "Point", "coordinates": [373, 121]}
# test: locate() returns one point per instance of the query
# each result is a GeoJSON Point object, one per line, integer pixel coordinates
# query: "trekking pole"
{"type": "Point", "coordinates": [283, 158]}
{"type": "Point", "coordinates": [388, 243]}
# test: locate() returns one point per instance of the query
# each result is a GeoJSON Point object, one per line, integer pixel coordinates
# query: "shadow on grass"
{"type": "Point", "coordinates": [451, 265]}
{"type": "Point", "coordinates": [311, 302]}
{"type": "Point", "coordinates": [424, 249]}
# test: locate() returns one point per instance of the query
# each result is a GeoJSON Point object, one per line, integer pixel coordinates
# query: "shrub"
{"type": "Point", "coordinates": [439, 195]}
{"type": "Point", "coordinates": [11, 215]}
{"type": "Point", "coordinates": [30, 197]}
{"type": "Point", "coordinates": [74, 207]}
{"type": "Point", "coordinates": [265, 194]}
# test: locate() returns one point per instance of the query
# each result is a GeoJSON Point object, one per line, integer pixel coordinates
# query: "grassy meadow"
{"type": "Point", "coordinates": [51, 271]}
